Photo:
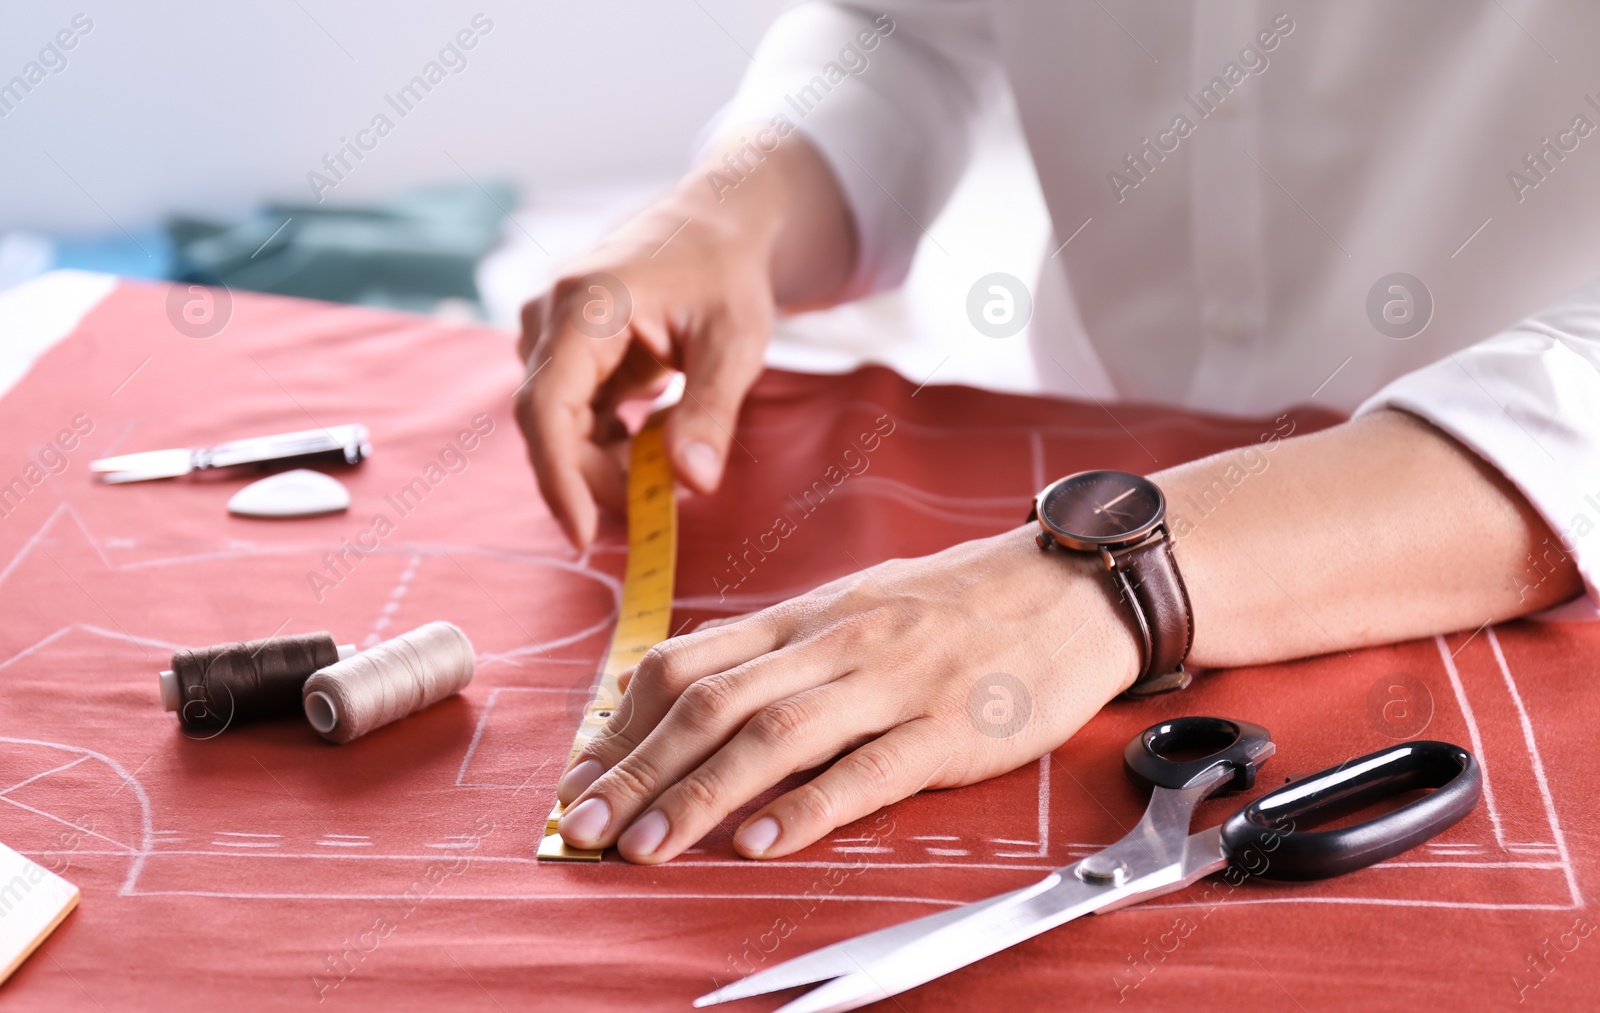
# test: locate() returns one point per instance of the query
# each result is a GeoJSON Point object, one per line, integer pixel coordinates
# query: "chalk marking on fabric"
{"type": "Point", "coordinates": [1477, 739]}
{"type": "Point", "coordinates": [392, 606]}
{"type": "Point", "coordinates": [862, 849]}
{"type": "Point", "coordinates": [477, 735]}
{"type": "Point", "coordinates": [68, 823]}
{"type": "Point", "coordinates": [139, 794]}
{"type": "Point", "coordinates": [1538, 768]}
{"type": "Point", "coordinates": [44, 774]}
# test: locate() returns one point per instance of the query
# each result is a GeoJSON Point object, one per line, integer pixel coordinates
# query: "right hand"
{"type": "Point", "coordinates": [699, 281]}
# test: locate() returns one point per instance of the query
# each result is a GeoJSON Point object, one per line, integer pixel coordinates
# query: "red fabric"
{"type": "Point", "coordinates": [214, 874]}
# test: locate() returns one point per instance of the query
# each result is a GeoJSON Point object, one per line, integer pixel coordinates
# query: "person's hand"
{"type": "Point", "coordinates": [690, 285]}
{"type": "Point", "coordinates": [924, 673]}
{"type": "Point", "coordinates": [670, 291]}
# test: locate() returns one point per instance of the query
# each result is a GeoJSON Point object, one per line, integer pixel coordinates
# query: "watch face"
{"type": "Point", "coordinates": [1095, 508]}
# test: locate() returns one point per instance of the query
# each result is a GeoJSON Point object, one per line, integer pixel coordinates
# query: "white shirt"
{"type": "Point", "coordinates": [1231, 186]}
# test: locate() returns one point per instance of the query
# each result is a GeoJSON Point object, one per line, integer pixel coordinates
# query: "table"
{"type": "Point", "coordinates": [266, 869]}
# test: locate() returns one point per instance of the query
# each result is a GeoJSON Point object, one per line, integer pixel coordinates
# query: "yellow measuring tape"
{"type": "Point", "coordinates": [646, 610]}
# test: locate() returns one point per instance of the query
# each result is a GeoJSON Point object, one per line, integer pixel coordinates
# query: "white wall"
{"type": "Point", "coordinates": [185, 105]}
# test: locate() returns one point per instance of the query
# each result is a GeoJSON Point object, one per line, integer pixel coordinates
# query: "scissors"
{"type": "Point", "coordinates": [1183, 762]}
{"type": "Point", "coordinates": [351, 443]}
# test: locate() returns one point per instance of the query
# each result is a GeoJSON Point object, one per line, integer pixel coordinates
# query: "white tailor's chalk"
{"type": "Point", "coordinates": [33, 901]}
{"type": "Point", "coordinates": [298, 493]}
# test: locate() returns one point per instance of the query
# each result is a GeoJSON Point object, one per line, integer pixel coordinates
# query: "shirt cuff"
{"type": "Point", "coordinates": [890, 101]}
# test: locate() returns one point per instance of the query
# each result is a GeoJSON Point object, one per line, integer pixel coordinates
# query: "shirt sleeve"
{"type": "Point", "coordinates": [1528, 401]}
{"type": "Point", "coordinates": [891, 95]}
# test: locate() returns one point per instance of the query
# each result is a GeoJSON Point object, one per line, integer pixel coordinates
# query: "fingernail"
{"type": "Point", "coordinates": [587, 822]}
{"type": "Point", "coordinates": [645, 836]}
{"type": "Point", "coordinates": [577, 780]}
{"type": "Point", "coordinates": [758, 836]}
{"type": "Point", "coordinates": [701, 462]}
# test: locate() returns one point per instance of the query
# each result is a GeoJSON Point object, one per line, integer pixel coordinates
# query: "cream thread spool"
{"type": "Point", "coordinates": [413, 671]}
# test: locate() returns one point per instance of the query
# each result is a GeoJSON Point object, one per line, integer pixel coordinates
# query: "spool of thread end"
{"type": "Point", "coordinates": [415, 670]}
{"type": "Point", "coordinates": [321, 711]}
{"type": "Point", "coordinates": [171, 698]}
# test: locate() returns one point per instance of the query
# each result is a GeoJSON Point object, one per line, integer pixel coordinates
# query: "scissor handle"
{"type": "Point", "coordinates": [1183, 752]}
{"type": "Point", "coordinates": [1267, 831]}
{"type": "Point", "coordinates": [350, 440]}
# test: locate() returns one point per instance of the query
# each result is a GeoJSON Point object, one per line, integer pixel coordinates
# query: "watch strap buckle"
{"type": "Point", "coordinates": [1176, 679]}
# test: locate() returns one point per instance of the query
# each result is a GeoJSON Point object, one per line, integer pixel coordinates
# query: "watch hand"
{"type": "Point", "coordinates": [1107, 506]}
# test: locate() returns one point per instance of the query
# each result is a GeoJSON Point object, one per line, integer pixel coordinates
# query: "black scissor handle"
{"type": "Point", "coordinates": [1151, 758]}
{"type": "Point", "coordinates": [1268, 829]}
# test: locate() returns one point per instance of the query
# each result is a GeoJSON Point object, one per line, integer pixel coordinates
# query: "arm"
{"type": "Point", "coordinates": [1379, 530]}
{"type": "Point", "coordinates": [790, 207]}
{"type": "Point", "coordinates": [1376, 530]}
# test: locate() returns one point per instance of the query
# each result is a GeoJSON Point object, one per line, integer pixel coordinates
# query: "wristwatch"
{"type": "Point", "coordinates": [1122, 518]}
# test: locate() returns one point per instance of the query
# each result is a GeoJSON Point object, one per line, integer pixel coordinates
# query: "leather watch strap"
{"type": "Point", "coordinates": [1146, 576]}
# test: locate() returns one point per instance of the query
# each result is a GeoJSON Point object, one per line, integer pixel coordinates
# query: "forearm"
{"type": "Point", "coordinates": [1379, 530]}
{"type": "Point", "coordinates": [951, 668]}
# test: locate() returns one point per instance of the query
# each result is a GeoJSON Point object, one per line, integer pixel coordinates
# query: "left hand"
{"type": "Point", "coordinates": [889, 669]}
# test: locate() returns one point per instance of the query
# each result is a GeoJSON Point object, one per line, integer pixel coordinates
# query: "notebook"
{"type": "Point", "coordinates": [33, 901]}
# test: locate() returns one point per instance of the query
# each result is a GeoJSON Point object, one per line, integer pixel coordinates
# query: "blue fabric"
{"type": "Point", "coordinates": [143, 253]}
{"type": "Point", "coordinates": [406, 253]}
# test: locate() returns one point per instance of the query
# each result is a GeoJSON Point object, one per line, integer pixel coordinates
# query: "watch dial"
{"type": "Point", "coordinates": [1102, 507]}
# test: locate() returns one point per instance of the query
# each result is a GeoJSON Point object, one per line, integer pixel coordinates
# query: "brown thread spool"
{"type": "Point", "coordinates": [214, 687]}
{"type": "Point", "coordinates": [385, 683]}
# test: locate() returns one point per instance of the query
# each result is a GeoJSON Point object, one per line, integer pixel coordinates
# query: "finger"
{"type": "Point", "coordinates": [553, 411]}
{"type": "Point", "coordinates": [534, 315]}
{"type": "Point", "coordinates": [602, 461]}
{"type": "Point", "coordinates": [707, 714]}
{"type": "Point", "coordinates": [719, 368]}
{"type": "Point", "coordinates": [897, 764]}
{"type": "Point", "coordinates": [661, 676]}
{"type": "Point", "coordinates": [794, 733]}
{"type": "Point", "coordinates": [721, 621]}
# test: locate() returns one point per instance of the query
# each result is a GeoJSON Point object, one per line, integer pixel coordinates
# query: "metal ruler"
{"type": "Point", "coordinates": [646, 610]}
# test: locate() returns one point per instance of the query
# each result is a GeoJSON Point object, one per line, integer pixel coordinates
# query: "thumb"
{"type": "Point", "coordinates": [720, 367]}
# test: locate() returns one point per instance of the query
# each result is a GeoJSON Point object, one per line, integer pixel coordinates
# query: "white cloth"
{"type": "Point", "coordinates": [1231, 181]}
{"type": "Point", "coordinates": [40, 312]}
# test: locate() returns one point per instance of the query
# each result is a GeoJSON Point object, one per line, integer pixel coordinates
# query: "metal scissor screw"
{"type": "Point", "coordinates": [1113, 871]}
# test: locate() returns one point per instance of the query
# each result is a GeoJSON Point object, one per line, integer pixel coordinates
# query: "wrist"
{"type": "Point", "coordinates": [782, 205]}
{"type": "Point", "coordinates": [745, 199]}
{"type": "Point", "coordinates": [1099, 642]}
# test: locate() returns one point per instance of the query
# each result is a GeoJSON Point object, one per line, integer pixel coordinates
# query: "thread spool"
{"type": "Point", "coordinates": [216, 686]}
{"type": "Point", "coordinates": [383, 684]}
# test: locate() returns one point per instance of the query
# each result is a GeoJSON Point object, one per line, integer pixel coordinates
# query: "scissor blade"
{"type": "Point", "coordinates": [955, 946]}
{"type": "Point", "coordinates": [850, 954]}
{"type": "Point", "coordinates": [987, 932]}
{"type": "Point", "coordinates": [146, 465]}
